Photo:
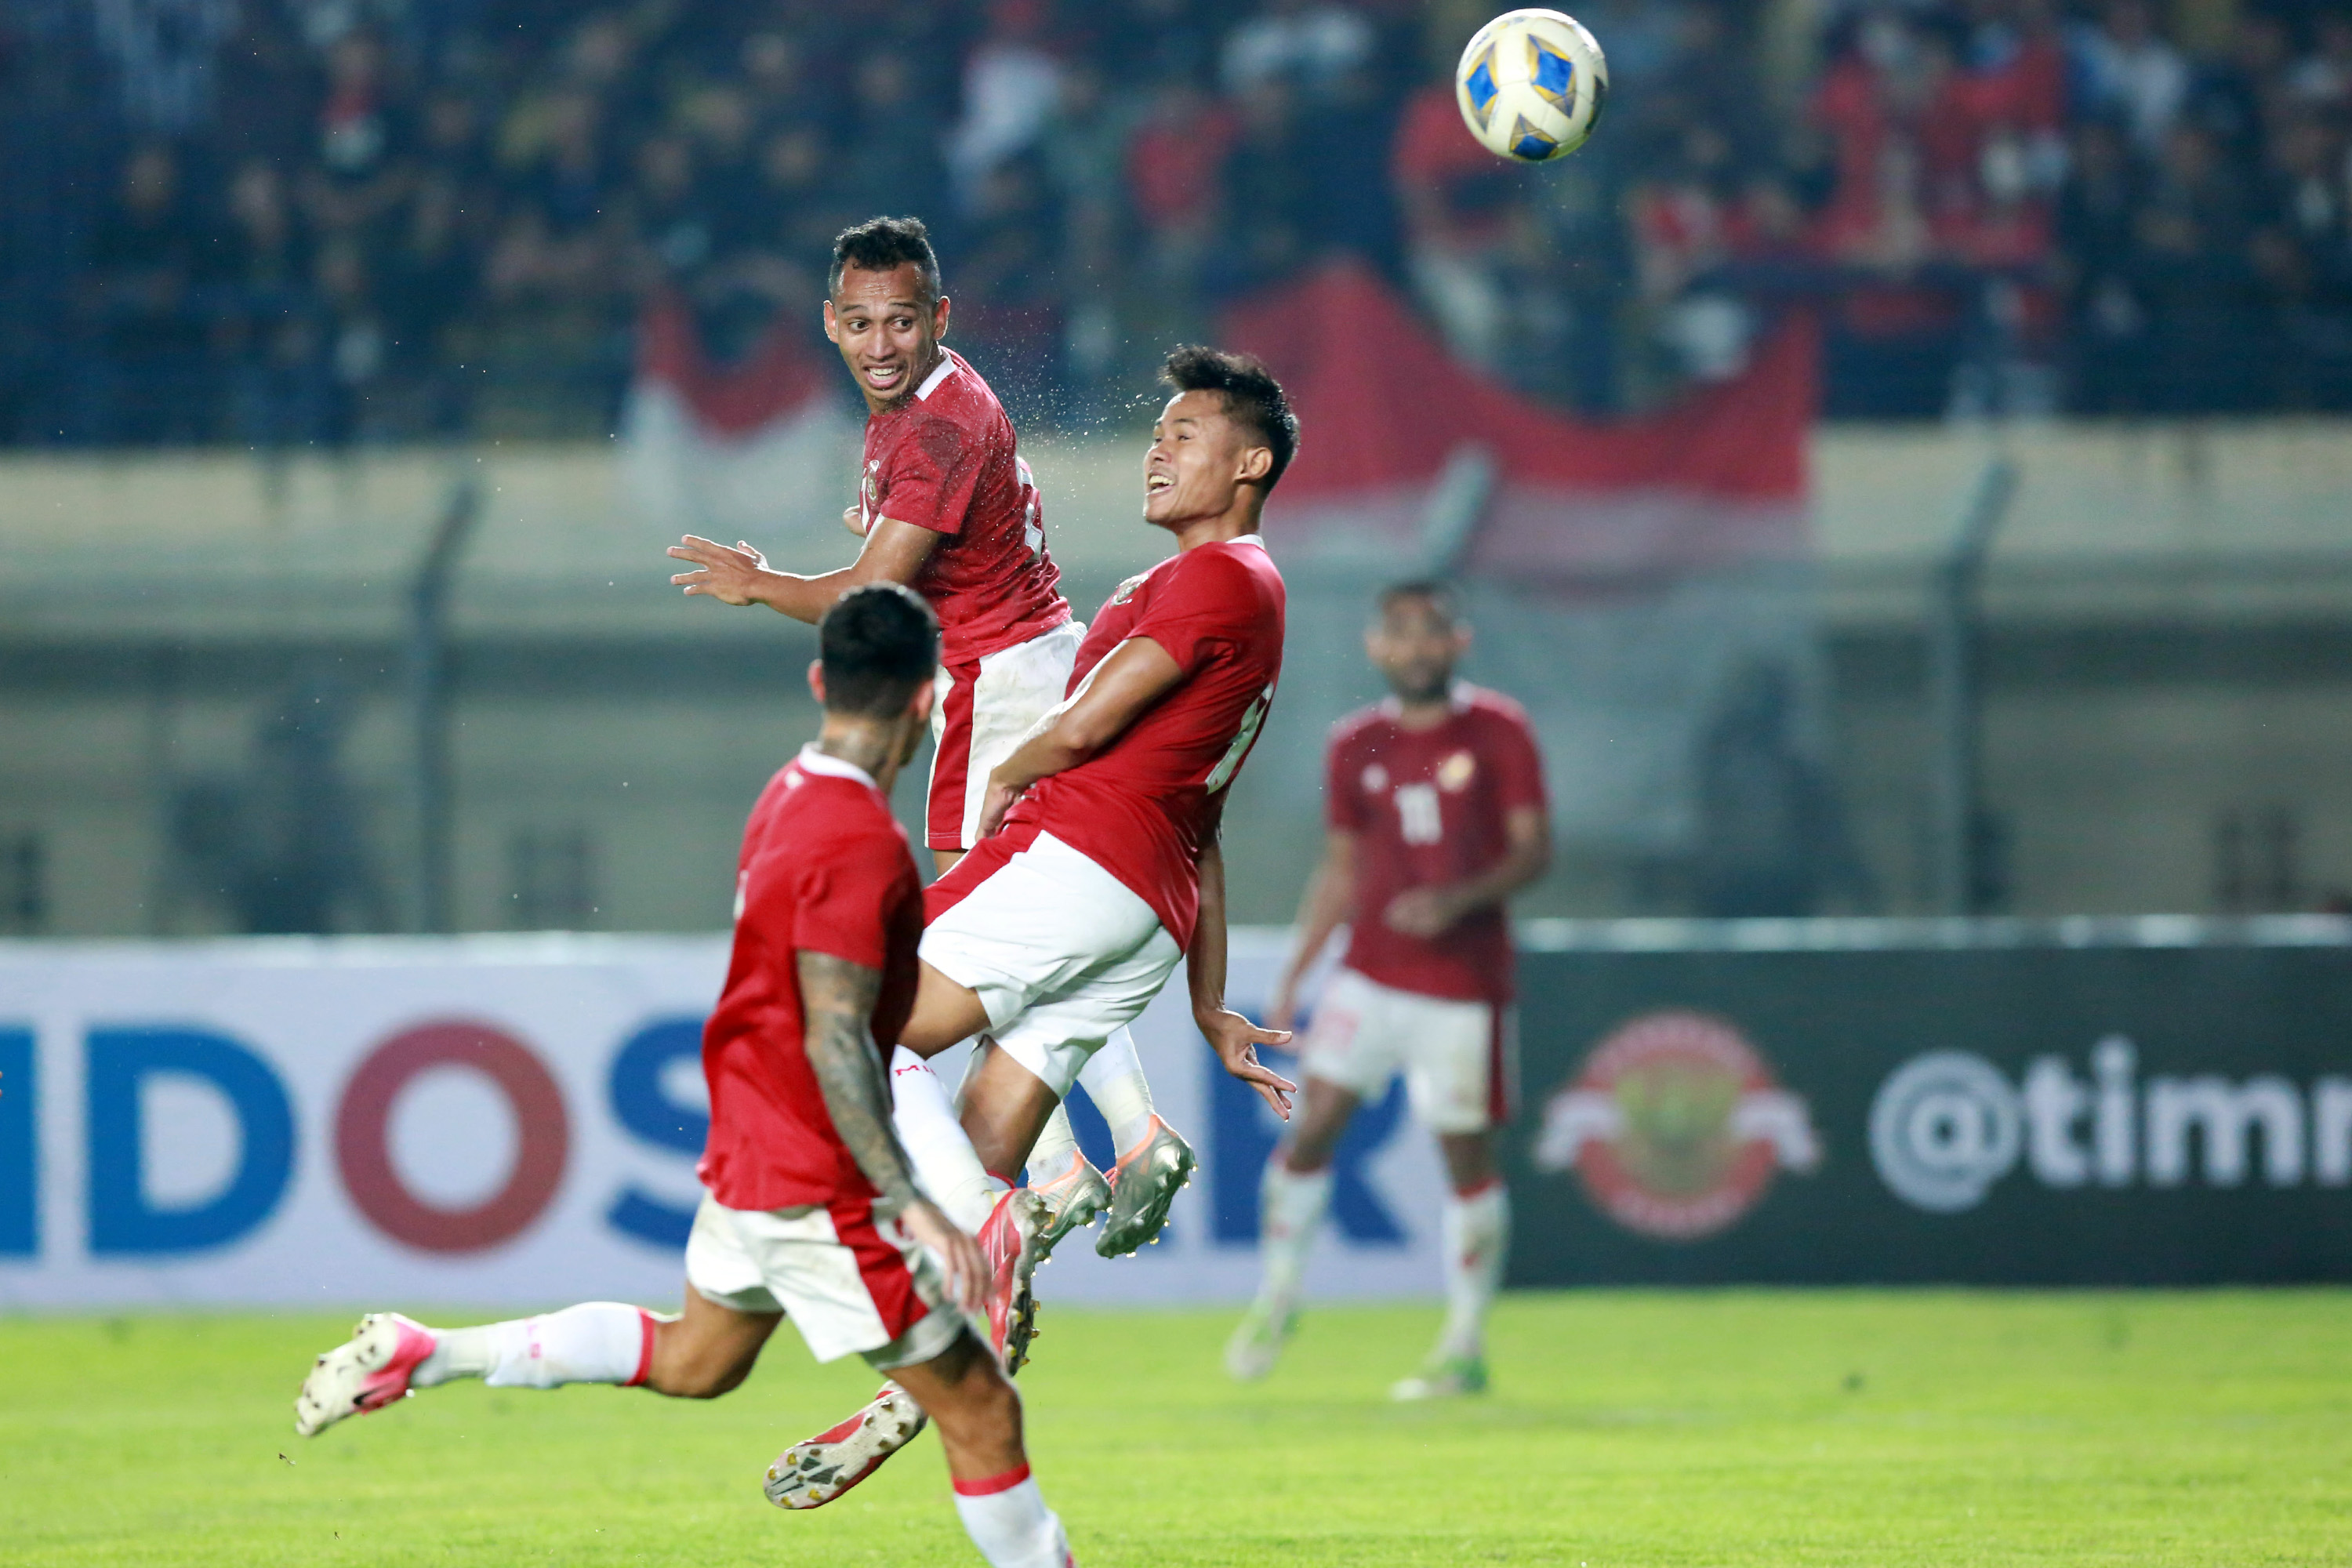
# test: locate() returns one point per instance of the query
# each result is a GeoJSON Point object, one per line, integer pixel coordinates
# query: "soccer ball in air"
{"type": "Point", "coordinates": [1531, 85]}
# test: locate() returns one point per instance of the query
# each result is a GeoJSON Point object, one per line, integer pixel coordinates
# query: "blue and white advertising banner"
{"type": "Point", "coordinates": [506, 1120]}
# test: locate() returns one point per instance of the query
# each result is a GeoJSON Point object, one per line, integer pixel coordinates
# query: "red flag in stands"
{"type": "Point", "coordinates": [728, 450]}
{"type": "Point", "coordinates": [1717, 478]}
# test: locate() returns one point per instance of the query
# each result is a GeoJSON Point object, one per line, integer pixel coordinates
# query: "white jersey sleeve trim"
{"type": "Point", "coordinates": [947, 367]}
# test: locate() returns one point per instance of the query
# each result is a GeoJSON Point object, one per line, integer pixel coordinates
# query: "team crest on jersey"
{"type": "Point", "coordinates": [1675, 1126]}
{"type": "Point", "coordinates": [1455, 771]}
{"type": "Point", "coordinates": [1125, 590]}
{"type": "Point", "coordinates": [869, 497]}
{"type": "Point", "coordinates": [1376, 778]}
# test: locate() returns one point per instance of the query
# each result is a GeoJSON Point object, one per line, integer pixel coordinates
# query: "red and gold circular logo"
{"type": "Point", "coordinates": [1675, 1125]}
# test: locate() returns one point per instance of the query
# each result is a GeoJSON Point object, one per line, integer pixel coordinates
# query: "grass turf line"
{"type": "Point", "coordinates": [1879, 1428]}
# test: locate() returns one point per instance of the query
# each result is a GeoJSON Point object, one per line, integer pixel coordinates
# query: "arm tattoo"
{"type": "Point", "coordinates": [838, 1003]}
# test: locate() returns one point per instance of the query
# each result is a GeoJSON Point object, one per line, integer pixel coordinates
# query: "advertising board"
{"type": "Point", "coordinates": [500, 1121]}
{"type": "Point", "coordinates": [2158, 1102]}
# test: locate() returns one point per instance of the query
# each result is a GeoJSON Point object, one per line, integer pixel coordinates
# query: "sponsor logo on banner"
{"type": "Point", "coordinates": [1947, 1126]}
{"type": "Point", "coordinates": [127, 1217]}
{"type": "Point", "coordinates": [509, 1123]}
{"type": "Point", "coordinates": [1676, 1126]}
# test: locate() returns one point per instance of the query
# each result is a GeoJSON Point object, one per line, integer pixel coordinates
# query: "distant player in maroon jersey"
{"type": "Point", "coordinates": [810, 1208]}
{"type": "Point", "coordinates": [947, 505]}
{"type": "Point", "coordinates": [1102, 868]}
{"type": "Point", "coordinates": [1435, 800]}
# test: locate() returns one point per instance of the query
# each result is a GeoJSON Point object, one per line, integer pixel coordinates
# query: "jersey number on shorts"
{"type": "Point", "coordinates": [1222, 774]}
{"type": "Point", "coordinates": [1417, 814]}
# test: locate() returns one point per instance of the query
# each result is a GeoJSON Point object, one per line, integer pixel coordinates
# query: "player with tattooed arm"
{"type": "Point", "coordinates": [811, 1208]}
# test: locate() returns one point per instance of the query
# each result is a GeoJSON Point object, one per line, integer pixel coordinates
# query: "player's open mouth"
{"type": "Point", "coordinates": [884, 375]}
{"type": "Point", "coordinates": [1155, 483]}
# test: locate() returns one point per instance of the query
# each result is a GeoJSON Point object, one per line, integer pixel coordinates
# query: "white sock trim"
{"type": "Point", "coordinates": [1013, 1527]}
{"type": "Point", "coordinates": [1113, 1079]}
{"type": "Point", "coordinates": [946, 1168]}
{"type": "Point", "coordinates": [1050, 1155]}
{"type": "Point", "coordinates": [1290, 1214]}
{"type": "Point", "coordinates": [595, 1341]}
{"type": "Point", "coordinates": [1476, 1236]}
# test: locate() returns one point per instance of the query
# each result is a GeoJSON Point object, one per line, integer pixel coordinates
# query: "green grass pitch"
{"type": "Point", "coordinates": [1877, 1428]}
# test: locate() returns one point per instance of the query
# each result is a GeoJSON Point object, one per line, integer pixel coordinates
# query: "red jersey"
{"type": "Point", "coordinates": [1427, 806]}
{"type": "Point", "coordinates": [944, 460]}
{"type": "Point", "coordinates": [824, 868]}
{"type": "Point", "coordinates": [1138, 807]}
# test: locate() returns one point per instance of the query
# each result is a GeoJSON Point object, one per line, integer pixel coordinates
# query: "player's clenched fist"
{"type": "Point", "coordinates": [726, 575]}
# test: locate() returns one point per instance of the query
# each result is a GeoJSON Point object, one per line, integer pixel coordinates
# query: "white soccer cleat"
{"type": "Point", "coordinates": [1444, 1377]}
{"type": "Point", "coordinates": [1147, 1180]}
{"type": "Point", "coordinates": [1074, 1200]}
{"type": "Point", "coordinates": [366, 1372]}
{"type": "Point", "coordinates": [1258, 1340]}
{"type": "Point", "coordinates": [816, 1470]}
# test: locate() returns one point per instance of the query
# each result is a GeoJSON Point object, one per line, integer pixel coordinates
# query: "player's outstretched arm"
{"type": "Point", "coordinates": [838, 999]}
{"type": "Point", "coordinates": [1232, 1036]}
{"type": "Point", "coordinates": [1433, 910]}
{"type": "Point", "coordinates": [1133, 677]}
{"type": "Point", "coordinates": [894, 552]}
{"type": "Point", "coordinates": [1330, 895]}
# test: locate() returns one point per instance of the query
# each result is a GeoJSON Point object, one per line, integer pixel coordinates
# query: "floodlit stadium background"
{"type": "Point", "coordinates": [1901, 463]}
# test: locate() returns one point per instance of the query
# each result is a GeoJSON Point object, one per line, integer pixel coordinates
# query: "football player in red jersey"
{"type": "Point", "coordinates": [810, 1207]}
{"type": "Point", "coordinates": [947, 505]}
{"type": "Point", "coordinates": [1435, 800]}
{"type": "Point", "coordinates": [1102, 868]}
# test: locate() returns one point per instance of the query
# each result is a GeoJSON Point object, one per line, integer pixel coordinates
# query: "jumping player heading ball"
{"type": "Point", "coordinates": [1102, 868]}
{"type": "Point", "coordinates": [947, 505]}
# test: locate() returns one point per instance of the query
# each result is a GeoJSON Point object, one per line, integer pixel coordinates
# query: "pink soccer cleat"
{"type": "Point", "coordinates": [816, 1470]}
{"type": "Point", "coordinates": [1012, 1241]}
{"type": "Point", "coordinates": [366, 1372]}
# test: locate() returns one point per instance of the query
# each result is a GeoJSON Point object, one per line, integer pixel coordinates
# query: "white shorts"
{"type": "Point", "coordinates": [1061, 953]}
{"type": "Point", "coordinates": [984, 711]}
{"type": "Point", "coordinates": [851, 1284]}
{"type": "Point", "coordinates": [1456, 1055]}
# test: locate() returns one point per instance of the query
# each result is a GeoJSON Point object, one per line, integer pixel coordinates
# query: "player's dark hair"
{"type": "Point", "coordinates": [1253, 399]}
{"type": "Point", "coordinates": [878, 644]}
{"type": "Point", "coordinates": [882, 244]}
{"type": "Point", "coordinates": [1437, 594]}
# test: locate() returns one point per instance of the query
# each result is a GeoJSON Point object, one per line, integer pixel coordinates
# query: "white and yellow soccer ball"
{"type": "Point", "coordinates": [1531, 85]}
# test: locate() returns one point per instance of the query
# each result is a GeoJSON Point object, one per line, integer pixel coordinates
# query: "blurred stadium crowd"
{"type": "Point", "coordinates": [277, 222]}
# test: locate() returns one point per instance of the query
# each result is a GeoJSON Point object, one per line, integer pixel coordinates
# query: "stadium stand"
{"type": "Point", "coordinates": [301, 221]}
